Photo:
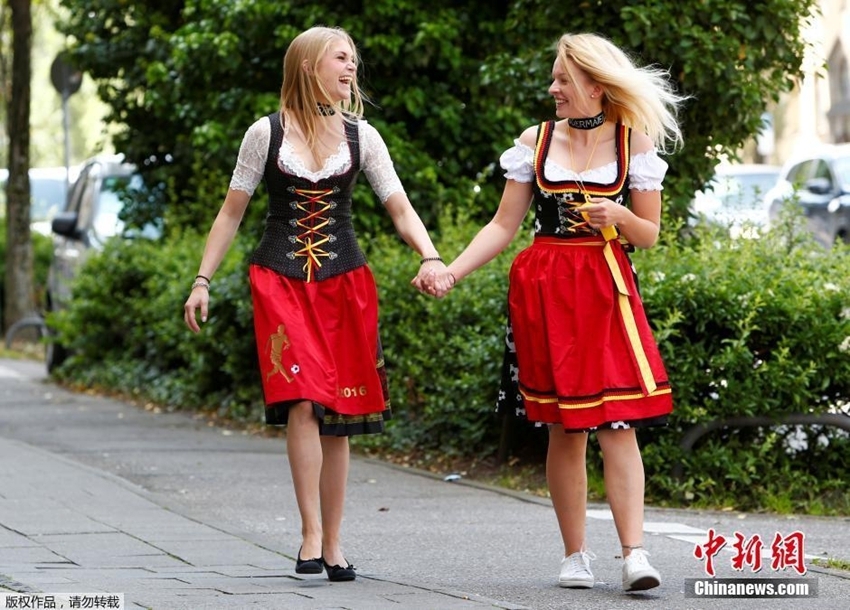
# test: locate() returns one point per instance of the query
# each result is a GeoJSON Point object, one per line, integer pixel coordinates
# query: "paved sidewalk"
{"type": "Point", "coordinates": [71, 528]}
{"type": "Point", "coordinates": [99, 496]}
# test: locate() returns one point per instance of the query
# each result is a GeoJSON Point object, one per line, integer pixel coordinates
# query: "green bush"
{"type": "Point", "coordinates": [443, 356]}
{"type": "Point", "coordinates": [753, 328]}
{"type": "Point", "coordinates": [746, 327]}
{"type": "Point", "coordinates": [125, 328]}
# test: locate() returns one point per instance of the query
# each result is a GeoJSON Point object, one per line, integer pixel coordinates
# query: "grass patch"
{"type": "Point", "coordinates": [833, 564]}
{"type": "Point", "coordinates": [23, 350]}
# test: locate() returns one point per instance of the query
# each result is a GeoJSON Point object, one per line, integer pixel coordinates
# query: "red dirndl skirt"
{"type": "Point", "coordinates": [318, 341]}
{"type": "Point", "coordinates": [585, 351]}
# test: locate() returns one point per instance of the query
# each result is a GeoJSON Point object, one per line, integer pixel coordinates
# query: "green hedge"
{"type": "Point", "coordinates": [125, 328]}
{"type": "Point", "coordinates": [444, 356]}
{"type": "Point", "coordinates": [755, 328]}
{"type": "Point", "coordinates": [749, 327]}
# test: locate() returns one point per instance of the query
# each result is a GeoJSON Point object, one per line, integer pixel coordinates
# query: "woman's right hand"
{"type": "Point", "coordinates": [198, 299]}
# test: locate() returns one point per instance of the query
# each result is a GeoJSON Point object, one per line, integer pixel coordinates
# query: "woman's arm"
{"type": "Point", "coordinates": [412, 230]}
{"type": "Point", "coordinates": [218, 242]}
{"type": "Point", "coordinates": [409, 226]}
{"type": "Point", "coordinates": [378, 167]}
{"type": "Point", "coordinates": [491, 239]}
{"type": "Point", "coordinates": [640, 222]}
{"type": "Point", "coordinates": [639, 225]}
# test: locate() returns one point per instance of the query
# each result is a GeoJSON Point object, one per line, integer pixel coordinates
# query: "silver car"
{"type": "Point", "coordinates": [91, 218]}
{"type": "Point", "coordinates": [734, 198]}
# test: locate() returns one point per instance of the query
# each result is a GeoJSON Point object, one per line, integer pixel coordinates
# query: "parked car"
{"type": "Point", "coordinates": [91, 218]}
{"type": "Point", "coordinates": [49, 188]}
{"type": "Point", "coordinates": [734, 198]}
{"type": "Point", "coordinates": [819, 182]}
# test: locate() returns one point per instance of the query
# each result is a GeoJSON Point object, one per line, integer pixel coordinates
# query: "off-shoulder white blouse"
{"type": "Point", "coordinates": [646, 170]}
{"type": "Point", "coordinates": [375, 160]}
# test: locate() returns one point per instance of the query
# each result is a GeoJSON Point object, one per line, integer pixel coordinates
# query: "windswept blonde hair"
{"type": "Point", "coordinates": [641, 97]}
{"type": "Point", "coordinates": [301, 90]}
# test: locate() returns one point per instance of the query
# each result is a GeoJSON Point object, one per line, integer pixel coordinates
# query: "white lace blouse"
{"type": "Point", "coordinates": [375, 160]}
{"type": "Point", "coordinates": [646, 170]}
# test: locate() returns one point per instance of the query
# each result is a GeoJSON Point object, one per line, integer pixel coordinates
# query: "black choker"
{"type": "Point", "coordinates": [325, 109]}
{"type": "Point", "coordinates": [591, 123]}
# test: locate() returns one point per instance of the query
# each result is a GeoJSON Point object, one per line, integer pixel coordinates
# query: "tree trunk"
{"type": "Point", "coordinates": [19, 301]}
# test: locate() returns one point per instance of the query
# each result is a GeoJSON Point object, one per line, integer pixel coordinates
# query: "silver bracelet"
{"type": "Point", "coordinates": [200, 284]}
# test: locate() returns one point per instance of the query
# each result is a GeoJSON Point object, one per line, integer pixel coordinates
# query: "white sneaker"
{"type": "Point", "coordinates": [575, 571]}
{"type": "Point", "coordinates": [638, 575]}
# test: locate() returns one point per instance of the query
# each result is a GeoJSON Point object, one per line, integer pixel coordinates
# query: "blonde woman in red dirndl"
{"type": "Point", "coordinates": [314, 297]}
{"type": "Point", "coordinates": [585, 358]}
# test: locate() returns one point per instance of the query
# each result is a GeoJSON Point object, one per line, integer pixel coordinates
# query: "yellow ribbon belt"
{"type": "Point", "coordinates": [312, 250]}
{"type": "Point", "coordinates": [623, 303]}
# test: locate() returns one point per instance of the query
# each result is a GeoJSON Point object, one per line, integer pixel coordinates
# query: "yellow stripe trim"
{"type": "Point", "coordinates": [595, 403]}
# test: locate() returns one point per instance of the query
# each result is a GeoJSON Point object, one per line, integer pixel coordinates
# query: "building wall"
{"type": "Point", "coordinates": [817, 111]}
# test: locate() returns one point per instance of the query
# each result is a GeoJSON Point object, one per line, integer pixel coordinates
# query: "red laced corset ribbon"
{"type": "Point", "coordinates": [312, 239]}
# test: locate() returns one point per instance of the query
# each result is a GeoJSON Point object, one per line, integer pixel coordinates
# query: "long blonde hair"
{"type": "Point", "coordinates": [641, 97]}
{"type": "Point", "coordinates": [302, 90]}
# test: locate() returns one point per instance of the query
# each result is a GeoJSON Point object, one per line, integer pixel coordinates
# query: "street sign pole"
{"type": "Point", "coordinates": [66, 80]}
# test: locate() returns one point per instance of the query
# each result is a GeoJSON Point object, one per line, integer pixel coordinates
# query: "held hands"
{"type": "Point", "coordinates": [434, 278]}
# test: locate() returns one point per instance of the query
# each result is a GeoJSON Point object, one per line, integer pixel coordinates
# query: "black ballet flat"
{"type": "Point", "coordinates": [308, 566]}
{"type": "Point", "coordinates": [339, 573]}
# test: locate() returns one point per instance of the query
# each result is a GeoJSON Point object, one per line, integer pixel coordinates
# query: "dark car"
{"type": "Point", "coordinates": [92, 217]}
{"type": "Point", "coordinates": [819, 182]}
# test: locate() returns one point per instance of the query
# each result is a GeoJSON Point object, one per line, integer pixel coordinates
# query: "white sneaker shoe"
{"type": "Point", "coordinates": [638, 575]}
{"type": "Point", "coordinates": [575, 571]}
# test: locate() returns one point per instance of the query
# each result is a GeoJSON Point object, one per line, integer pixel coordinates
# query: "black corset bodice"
{"type": "Point", "coordinates": [555, 202]}
{"type": "Point", "coordinates": [309, 234]}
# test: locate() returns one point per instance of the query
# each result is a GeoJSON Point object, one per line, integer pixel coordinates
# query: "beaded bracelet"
{"type": "Point", "coordinates": [430, 259]}
{"type": "Point", "coordinates": [200, 284]}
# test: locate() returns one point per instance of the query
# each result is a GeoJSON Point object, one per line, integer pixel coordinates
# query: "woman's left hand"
{"type": "Point", "coordinates": [601, 212]}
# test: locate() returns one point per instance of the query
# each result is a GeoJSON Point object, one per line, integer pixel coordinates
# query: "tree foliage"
{"type": "Point", "coordinates": [732, 57]}
{"type": "Point", "coordinates": [452, 83]}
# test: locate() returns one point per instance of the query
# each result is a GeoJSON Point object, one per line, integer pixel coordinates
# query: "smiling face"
{"type": "Point", "coordinates": [576, 95]}
{"type": "Point", "coordinates": [336, 72]}
{"type": "Point", "coordinates": [320, 66]}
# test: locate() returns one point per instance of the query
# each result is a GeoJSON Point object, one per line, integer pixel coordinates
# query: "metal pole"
{"type": "Point", "coordinates": [66, 128]}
